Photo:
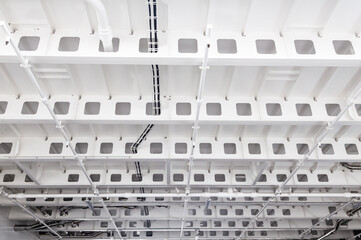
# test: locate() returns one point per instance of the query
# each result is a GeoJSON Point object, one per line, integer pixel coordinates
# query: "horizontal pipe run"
{"type": "Point", "coordinates": [206, 195]}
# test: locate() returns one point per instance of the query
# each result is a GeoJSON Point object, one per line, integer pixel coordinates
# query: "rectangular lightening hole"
{"type": "Point", "coordinates": [149, 110]}
{"type": "Point", "coordinates": [157, 177]}
{"type": "Point", "coordinates": [286, 212]}
{"type": "Point", "coordinates": [103, 224]}
{"type": "Point", "coordinates": [187, 45]}
{"type": "Point", "coordinates": [73, 178]}
{"type": "Point", "coordinates": [199, 177]}
{"type": "Point", "coordinates": [115, 177]}
{"type": "Point", "coordinates": [245, 223]}
{"type": "Point", "coordinates": [240, 177]}
{"type": "Point", "coordinates": [351, 149]}
{"type": "Point", "coordinates": [183, 109]}
{"type": "Point", "coordinates": [203, 224]}
{"type": "Point", "coordinates": [178, 177]}
{"type": "Point", "coordinates": [219, 177]}
{"type": "Point", "coordinates": [115, 45]}
{"type": "Point", "coordinates": [262, 178]}
{"type": "Point", "coordinates": [254, 211]}
{"type": "Point", "coordinates": [96, 212]}
{"type": "Point", "coordinates": [118, 224]}
{"type": "Point", "coordinates": [29, 43]}
{"type": "Point", "coordinates": [135, 178]}
{"type": "Point", "coordinates": [3, 106]}
{"type": "Point", "coordinates": [357, 107]}
{"type": "Point", "coordinates": [225, 233]}
{"type": "Point", "coordinates": [106, 148]}
{"type": "Point", "coordinates": [231, 223]}
{"type": "Point", "coordinates": [113, 212]}
{"type": "Point", "coordinates": [281, 177]}
{"type": "Point", "coordinates": [143, 45]}
{"type": "Point", "coordinates": [214, 109]}
{"type": "Point", "coordinates": [303, 109]}
{"type": "Point", "coordinates": [69, 44]}
{"type": "Point", "coordinates": [56, 148]}
{"type": "Point", "coordinates": [230, 148]}
{"type": "Point", "coordinates": [95, 177]}
{"type": "Point", "coordinates": [227, 46]}
{"type": "Point", "coordinates": [266, 46]}
{"type": "Point", "coordinates": [128, 148]}
{"type": "Point", "coordinates": [61, 108]}
{"type": "Point", "coordinates": [302, 178]}
{"type": "Point", "coordinates": [333, 109]}
{"type": "Point", "coordinates": [217, 224]}
{"type": "Point", "coordinates": [327, 149]}
{"type": "Point", "coordinates": [28, 179]}
{"type": "Point", "coordinates": [322, 177]}
{"type": "Point", "coordinates": [122, 108]}
{"type": "Point", "coordinates": [274, 224]}
{"type": "Point", "coordinates": [343, 47]}
{"type": "Point", "coordinates": [81, 148]}
{"type": "Point", "coordinates": [254, 148]}
{"type": "Point", "coordinates": [205, 148]}
{"type": "Point", "coordinates": [244, 109]}
{"type": "Point", "coordinates": [223, 212]}
{"type": "Point", "coordinates": [5, 147]}
{"type": "Point", "coordinates": [191, 212]}
{"type": "Point", "coordinates": [274, 109]}
{"type": "Point", "coordinates": [305, 47]}
{"type": "Point", "coordinates": [302, 148]}
{"type": "Point", "coordinates": [92, 108]}
{"type": "Point", "coordinates": [278, 148]}
{"type": "Point", "coordinates": [9, 178]}
{"type": "Point", "coordinates": [270, 212]}
{"type": "Point", "coordinates": [207, 212]}
{"type": "Point", "coordinates": [181, 148]}
{"type": "Point", "coordinates": [156, 148]}
{"type": "Point", "coordinates": [30, 108]}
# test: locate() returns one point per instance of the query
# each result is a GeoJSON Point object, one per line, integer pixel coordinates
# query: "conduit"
{"type": "Point", "coordinates": [195, 127]}
{"type": "Point", "coordinates": [104, 30]}
{"type": "Point", "coordinates": [24, 63]}
{"type": "Point", "coordinates": [152, 48]}
{"type": "Point", "coordinates": [170, 195]}
{"type": "Point", "coordinates": [300, 163]}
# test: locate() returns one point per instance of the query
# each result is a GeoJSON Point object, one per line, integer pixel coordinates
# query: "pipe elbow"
{"type": "Point", "coordinates": [105, 32]}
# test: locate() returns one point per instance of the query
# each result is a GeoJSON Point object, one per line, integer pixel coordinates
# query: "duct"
{"type": "Point", "coordinates": [170, 195]}
{"type": "Point", "coordinates": [104, 30]}
{"type": "Point", "coordinates": [195, 127]}
{"type": "Point", "coordinates": [300, 163]}
{"type": "Point", "coordinates": [24, 63]}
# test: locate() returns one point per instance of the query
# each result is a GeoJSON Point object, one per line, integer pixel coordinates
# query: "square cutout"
{"type": "Point", "coordinates": [230, 148]}
{"type": "Point", "coordinates": [205, 148]}
{"type": "Point", "coordinates": [214, 109]}
{"type": "Point", "coordinates": [302, 148]}
{"type": "Point", "coordinates": [106, 148]}
{"type": "Point", "coordinates": [30, 108]}
{"type": "Point", "coordinates": [303, 109]}
{"type": "Point", "coordinates": [244, 109]}
{"type": "Point", "coordinates": [178, 177]}
{"type": "Point", "coordinates": [180, 148]}
{"type": "Point", "coordinates": [333, 109]}
{"type": "Point", "coordinates": [5, 147]}
{"type": "Point", "coordinates": [92, 108]}
{"type": "Point", "coordinates": [240, 177]}
{"type": "Point", "coordinates": [183, 109]}
{"type": "Point", "coordinates": [254, 148]}
{"type": "Point", "coordinates": [278, 148]}
{"type": "Point", "coordinates": [187, 45]}
{"type": "Point", "coordinates": [3, 106]}
{"type": "Point", "coordinates": [343, 47]}
{"type": "Point", "coordinates": [29, 43]}
{"type": "Point", "coordinates": [351, 149]}
{"type": "Point", "coordinates": [156, 148]}
{"type": "Point", "coordinates": [227, 46]}
{"type": "Point", "coordinates": [198, 177]}
{"type": "Point", "coordinates": [81, 148]}
{"type": "Point", "coordinates": [274, 109]}
{"type": "Point", "coordinates": [56, 148]}
{"type": "Point", "coordinates": [305, 47]}
{"type": "Point", "coordinates": [115, 43]}
{"type": "Point", "coordinates": [61, 108]}
{"type": "Point", "coordinates": [266, 46]}
{"type": "Point", "coordinates": [115, 177]}
{"type": "Point", "coordinates": [69, 44]}
{"type": "Point", "coordinates": [122, 108]}
{"type": "Point", "coordinates": [327, 149]}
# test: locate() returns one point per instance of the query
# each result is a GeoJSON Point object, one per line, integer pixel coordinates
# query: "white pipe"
{"type": "Point", "coordinates": [104, 30]}
{"type": "Point", "coordinates": [170, 195]}
{"type": "Point", "coordinates": [195, 127]}
{"type": "Point", "coordinates": [30, 213]}
{"type": "Point", "coordinates": [326, 217]}
{"type": "Point", "coordinates": [300, 163]}
{"type": "Point", "coordinates": [24, 63]}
